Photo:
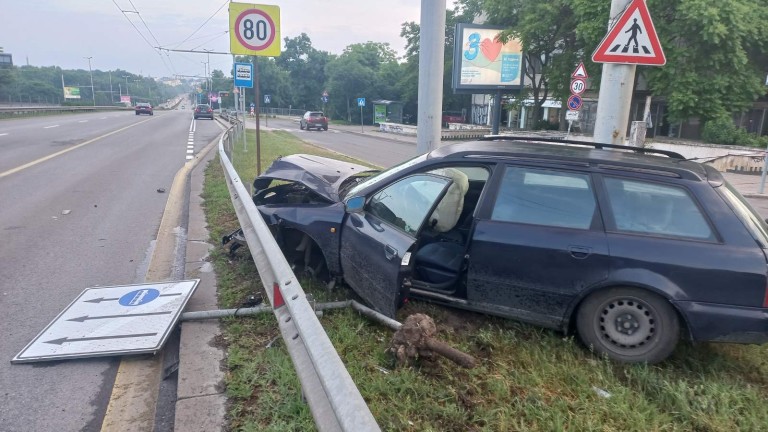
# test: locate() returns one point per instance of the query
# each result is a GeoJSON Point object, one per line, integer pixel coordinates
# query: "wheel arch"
{"type": "Point", "coordinates": [569, 323]}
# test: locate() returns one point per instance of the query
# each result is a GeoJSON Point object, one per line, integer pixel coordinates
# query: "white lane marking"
{"type": "Point", "coordinates": [48, 127]}
{"type": "Point", "coordinates": [103, 118]}
{"type": "Point", "coordinates": [83, 121]}
{"type": "Point", "coordinates": [190, 151]}
{"type": "Point", "coordinates": [189, 157]}
{"type": "Point", "coordinates": [3, 134]}
{"type": "Point", "coordinates": [190, 146]}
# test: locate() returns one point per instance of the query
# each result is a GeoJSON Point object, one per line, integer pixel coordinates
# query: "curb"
{"type": "Point", "coordinates": [755, 195]}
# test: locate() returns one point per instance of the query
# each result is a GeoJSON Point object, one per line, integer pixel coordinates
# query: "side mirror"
{"type": "Point", "coordinates": [354, 204]}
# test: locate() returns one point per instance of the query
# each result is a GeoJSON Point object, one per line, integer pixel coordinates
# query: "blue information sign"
{"type": "Point", "coordinates": [244, 75]}
{"type": "Point", "coordinates": [361, 102]}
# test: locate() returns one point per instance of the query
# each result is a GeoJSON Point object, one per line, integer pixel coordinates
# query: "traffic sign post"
{"type": "Point", "coordinates": [618, 76]}
{"type": "Point", "coordinates": [578, 86]}
{"type": "Point", "coordinates": [361, 104]}
{"type": "Point", "coordinates": [267, 99]}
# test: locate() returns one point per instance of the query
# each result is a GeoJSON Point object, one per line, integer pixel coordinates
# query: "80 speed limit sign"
{"type": "Point", "coordinates": [254, 29]}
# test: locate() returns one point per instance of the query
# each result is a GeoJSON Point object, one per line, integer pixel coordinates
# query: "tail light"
{"type": "Point", "coordinates": [765, 298]}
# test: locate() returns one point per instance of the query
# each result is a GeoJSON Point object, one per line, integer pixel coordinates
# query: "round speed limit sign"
{"type": "Point", "coordinates": [254, 29]}
{"type": "Point", "coordinates": [578, 86]}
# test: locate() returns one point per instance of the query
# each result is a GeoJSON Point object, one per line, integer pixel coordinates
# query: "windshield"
{"type": "Point", "coordinates": [748, 215]}
{"type": "Point", "coordinates": [384, 175]}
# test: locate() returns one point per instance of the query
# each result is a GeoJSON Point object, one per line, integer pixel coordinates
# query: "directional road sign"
{"type": "Point", "coordinates": [361, 102]}
{"type": "Point", "coordinates": [107, 321]}
{"type": "Point", "coordinates": [254, 29]}
{"type": "Point", "coordinates": [243, 75]}
{"type": "Point", "coordinates": [324, 99]}
{"type": "Point", "coordinates": [632, 40]}
{"type": "Point", "coordinates": [267, 99]}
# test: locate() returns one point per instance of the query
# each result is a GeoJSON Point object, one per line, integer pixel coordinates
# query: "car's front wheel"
{"type": "Point", "coordinates": [629, 324]}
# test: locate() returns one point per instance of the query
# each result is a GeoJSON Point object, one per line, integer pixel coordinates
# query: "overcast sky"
{"type": "Point", "coordinates": [64, 32]}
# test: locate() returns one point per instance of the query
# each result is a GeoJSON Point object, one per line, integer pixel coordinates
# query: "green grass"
{"type": "Point", "coordinates": [527, 379]}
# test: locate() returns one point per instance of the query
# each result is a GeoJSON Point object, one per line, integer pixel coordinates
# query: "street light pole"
{"type": "Point", "coordinates": [91, 72]}
{"type": "Point", "coordinates": [111, 90]}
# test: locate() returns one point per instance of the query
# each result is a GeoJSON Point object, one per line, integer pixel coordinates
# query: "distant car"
{"type": "Point", "coordinates": [313, 119]}
{"type": "Point", "coordinates": [452, 117]}
{"type": "Point", "coordinates": [143, 108]}
{"type": "Point", "coordinates": [203, 111]}
{"type": "Point", "coordinates": [630, 250]}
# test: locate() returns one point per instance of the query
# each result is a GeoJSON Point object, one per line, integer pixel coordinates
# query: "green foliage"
{"type": "Point", "coordinates": [724, 131]}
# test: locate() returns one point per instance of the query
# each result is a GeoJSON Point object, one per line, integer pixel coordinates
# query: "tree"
{"type": "Point", "coordinates": [367, 70]}
{"type": "Point", "coordinates": [306, 67]}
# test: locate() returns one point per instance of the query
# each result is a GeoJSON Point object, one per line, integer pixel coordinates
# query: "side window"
{"type": "Point", "coordinates": [405, 203]}
{"type": "Point", "coordinates": [545, 197]}
{"type": "Point", "coordinates": [652, 208]}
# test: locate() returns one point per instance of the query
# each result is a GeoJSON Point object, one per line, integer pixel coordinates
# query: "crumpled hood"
{"type": "Point", "coordinates": [322, 175]}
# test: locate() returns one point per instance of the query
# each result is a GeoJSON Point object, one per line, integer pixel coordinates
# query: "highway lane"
{"type": "Point", "coordinates": [109, 188]}
{"type": "Point", "coordinates": [373, 149]}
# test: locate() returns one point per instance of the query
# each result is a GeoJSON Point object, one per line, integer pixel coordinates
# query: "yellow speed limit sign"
{"type": "Point", "coordinates": [254, 29]}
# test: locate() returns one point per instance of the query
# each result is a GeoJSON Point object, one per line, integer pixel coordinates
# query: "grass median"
{"type": "Point", "coordinates": [528, 378]}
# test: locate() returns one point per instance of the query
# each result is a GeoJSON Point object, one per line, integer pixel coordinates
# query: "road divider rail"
{"type": "Point", "coordinates": [334, 401]}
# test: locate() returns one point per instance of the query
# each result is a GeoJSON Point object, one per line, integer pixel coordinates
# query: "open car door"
{"type": "Point", "coordinates": [377, 237]}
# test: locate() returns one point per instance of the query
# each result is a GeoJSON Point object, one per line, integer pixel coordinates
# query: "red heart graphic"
{"type": "Point", "coordinates": [490, 49]}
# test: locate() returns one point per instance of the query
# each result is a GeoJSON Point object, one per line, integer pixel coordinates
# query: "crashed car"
{"type": "Point", "coordinates": [632, 248]}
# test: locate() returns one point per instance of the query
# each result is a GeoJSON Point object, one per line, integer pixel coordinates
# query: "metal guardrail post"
{"type": "Point", "coordinates": [333, 398]}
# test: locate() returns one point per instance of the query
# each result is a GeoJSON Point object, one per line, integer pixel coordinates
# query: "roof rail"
{"type": "Point", "coordinates": [600, 146]}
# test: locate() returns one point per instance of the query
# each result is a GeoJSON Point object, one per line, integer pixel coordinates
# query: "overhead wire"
{"type": "Point", "coordinates": [140, 33]}
{"type": "Point", "coordinates": [172, 68]}
{"type": "Point", "coordinates": [226, 2]}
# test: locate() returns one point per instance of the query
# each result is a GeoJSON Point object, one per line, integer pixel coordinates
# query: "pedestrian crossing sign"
{"type": "Point", "coordinates": [632, 40]}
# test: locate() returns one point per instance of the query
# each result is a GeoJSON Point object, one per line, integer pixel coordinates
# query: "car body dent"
{"type": "Point", "coordinates": [322, 175]}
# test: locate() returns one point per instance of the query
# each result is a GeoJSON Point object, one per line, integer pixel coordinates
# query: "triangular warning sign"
{"type": "Point", "coordinates": [632, 40]}
{"type": "Point", "coordinates": [580, 72]}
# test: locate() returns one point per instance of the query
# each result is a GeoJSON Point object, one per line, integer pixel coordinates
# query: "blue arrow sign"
{"type": "Point", "coordinates": [324, 99]}
{"type": "Point", "coordinates": [361, 102]}
{"type": "Point", "coordinates": [267, 99]}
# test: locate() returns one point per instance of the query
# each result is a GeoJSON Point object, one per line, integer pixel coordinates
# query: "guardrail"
{"type": "Point", "coordinates": [6, 112]}
{"type": "Point", "coordinates": [333, 398]}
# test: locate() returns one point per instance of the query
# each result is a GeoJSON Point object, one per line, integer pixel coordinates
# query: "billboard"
{"type": "Point", "coordinates": [125, 98]}
{"type": "Point", "coordinates": [481, 62]}
{"type": "Point", "coordinates": [71, 92]}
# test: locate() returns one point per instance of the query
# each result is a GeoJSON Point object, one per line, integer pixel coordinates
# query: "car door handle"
{"type": "Point", "coordinates": [390, 252]}
{"type": "Point", "coordinates": [580, 252]}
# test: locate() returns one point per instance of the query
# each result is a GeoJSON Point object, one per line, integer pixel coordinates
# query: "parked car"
{"type": "Point", "coordinates": [313, 119]}
{"type": "Point", "coordinates": [203, 111]}
{"type": "Point", "coordinates": [452, 117]}
{"type": "Point", "coordinates": [143, 108]}
{"type": "Point", "coordinates": [631, 248]}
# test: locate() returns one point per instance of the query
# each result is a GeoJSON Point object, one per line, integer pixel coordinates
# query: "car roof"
{"type": "Point", "coordinates": [578, 152]}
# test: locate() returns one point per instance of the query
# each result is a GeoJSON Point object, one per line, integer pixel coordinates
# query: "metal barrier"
{"type": "Point", "coordinates": [333, 398]}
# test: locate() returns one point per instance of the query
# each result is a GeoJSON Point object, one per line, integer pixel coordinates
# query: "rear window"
{"type": "Point", "coordinates": [748, 215]}
{"type": "Point", "coordinates": [316, 114]}
{"type": "Point", "coordinates": [656, 209]}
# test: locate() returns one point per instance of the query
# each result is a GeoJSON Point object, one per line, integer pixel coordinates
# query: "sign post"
{"type": "Point", "coordinates": [255, 30]}
{"type": "Point", "coordinates": [578, 86]}
{"type": "Point", "coordinates": [267, 99]}
{"type": "Point", "coordinates": [631, 40]}
{"type": "Point", "coordinates": [361, 104]}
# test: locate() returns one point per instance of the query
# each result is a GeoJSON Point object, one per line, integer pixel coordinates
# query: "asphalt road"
{"type": "Point", "coordinates": [79, 207]}
{"type": "Point", "coordinates": [373, 148]}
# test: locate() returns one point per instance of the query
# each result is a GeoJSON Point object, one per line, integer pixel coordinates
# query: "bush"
{"type": "Point", "coordinates": [545, 125]}
{"type": "Point", "coordinates": [723, 131]}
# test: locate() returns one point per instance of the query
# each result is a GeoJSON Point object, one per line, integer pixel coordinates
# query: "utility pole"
{"type": "Point", "coordinates": [91, 72]}
{"type": "Point", "coordinates": [431, 63]}
{"type": "Point", "coordinates": [111, 90]}
{"type": "Point", "coordinates": [615, 97]}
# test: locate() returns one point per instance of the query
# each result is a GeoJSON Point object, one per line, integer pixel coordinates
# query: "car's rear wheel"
{"type": "Point", "coordinates": [325, 128]}
{"type": "Point", "coordinates": [629, 325]}
{"type": "Point", "coordinates": [301, 126]}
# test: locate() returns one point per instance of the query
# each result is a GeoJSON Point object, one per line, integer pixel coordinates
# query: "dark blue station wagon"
{"type": "Point", "coordinates": [631, 248]}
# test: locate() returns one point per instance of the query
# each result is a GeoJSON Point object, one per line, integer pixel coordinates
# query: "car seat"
{"type": "Point", "coordinates": [440, 262]}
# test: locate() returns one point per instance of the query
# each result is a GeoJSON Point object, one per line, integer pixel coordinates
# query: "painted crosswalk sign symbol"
{"type": "Point", "coordinates": [632, 40]}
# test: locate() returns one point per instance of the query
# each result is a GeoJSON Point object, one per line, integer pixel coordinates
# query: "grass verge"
{"type": "Point", "coordinates": [528, 378]}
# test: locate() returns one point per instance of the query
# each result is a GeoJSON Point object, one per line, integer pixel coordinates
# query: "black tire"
{"type": "Point", "coordinates": [325, 128]}
{"type": "Point", "coordinates": [630, 325]}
